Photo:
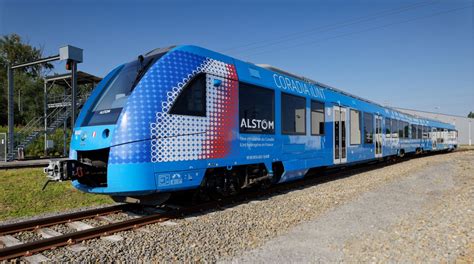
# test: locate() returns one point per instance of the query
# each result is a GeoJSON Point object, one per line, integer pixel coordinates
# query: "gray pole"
{"type": "Point", "coordinates": [74, 93]}
{"type": "Point", "coordinates": [470, 137]}
{"type": "Point", "coordinates": [45, 116]}
{"type": "Point", "coordinates": [65, 138]}
{"type": "Point", "coordinates": [64, 127]}
{"type": "Point", "coordinates": [11, 109]}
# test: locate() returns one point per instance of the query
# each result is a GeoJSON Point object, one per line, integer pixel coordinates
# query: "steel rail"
{"type": "Point", "coordinates": [33, 247]}
{"type": "Point", "coordinates": [59, 219]}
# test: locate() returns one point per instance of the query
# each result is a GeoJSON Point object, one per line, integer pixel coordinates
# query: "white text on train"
{"type": "Point", "coordinates": [256, 123]}
{"type": "Point", "coordinates": [286, 83]}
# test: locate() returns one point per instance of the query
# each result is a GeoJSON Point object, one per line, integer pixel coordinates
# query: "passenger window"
{"type": "Point", "coordinates": [388, 127]}
{"type": "Point", "coordinates": [317, 118]}
{"type": "Point", "coordinates": [394, 128]}
{"type": "Point", "coordinates": [256, 109]}
{"type": "Point", "coordinates": [400, 129]}
{"type": "Point", "coordinates": [355, 127]}
{"type": "Point", "coordinates": [406, 129]}
{"type": "Point", "coordinates": [425, 132]}
{"type": "Point", "coordinates": [293, 114]}
{"type": "Point", "coordinates": [368, 128]}
{"type": "Point", "coordinates": [192, 99]}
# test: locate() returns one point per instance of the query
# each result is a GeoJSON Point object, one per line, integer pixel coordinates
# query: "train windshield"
{"type": "Point", "coordinates": [118, 89]}
{"type": "Point", "coordinates": [113, 99]}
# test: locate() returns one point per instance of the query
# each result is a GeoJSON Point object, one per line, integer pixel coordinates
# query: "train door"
{"type": "Point", "coordinates": [378, 136]}
{"type": "Point", "coordinates": [434, 138]}
{"type": "Point", "coordinates": [339, 135]}
{"type": "Point", "coordinates": [445, 136]}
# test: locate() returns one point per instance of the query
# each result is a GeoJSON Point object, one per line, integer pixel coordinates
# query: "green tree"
{"type": "Point", "coordinates": [14, 50]}
{"type": "Point", "coordinates": [471, 115]}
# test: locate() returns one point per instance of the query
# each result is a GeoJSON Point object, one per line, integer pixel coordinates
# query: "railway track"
{"type": "Point", "coordinates": [34, 247]}
{"type": "Point", "coordinates": [60, 219]}
{"type": "Point", "coordinates": [30, 248]}
{"type": "Point", "coordinates": [19, 249]}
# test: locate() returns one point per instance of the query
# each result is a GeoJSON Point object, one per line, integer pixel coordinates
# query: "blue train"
{"type": "Point", "coordinates": [185, 117]}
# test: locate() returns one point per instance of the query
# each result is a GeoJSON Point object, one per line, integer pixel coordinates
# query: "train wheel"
{"type": "Point", "coordinates": [401, 153]}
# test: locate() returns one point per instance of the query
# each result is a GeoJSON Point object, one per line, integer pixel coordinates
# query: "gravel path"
{"type": "Point", "coordinates": [425, 217]}
{"type": "Point", "coordinates": [236, 231]}
{"type": "Point", "coordinates": [442, 231]}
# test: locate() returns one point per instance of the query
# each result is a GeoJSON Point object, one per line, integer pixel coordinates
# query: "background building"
{"type": "Point", "coordinates": [463, 124]}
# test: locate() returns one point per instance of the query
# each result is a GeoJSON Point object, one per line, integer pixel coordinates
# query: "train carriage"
{"type": "Point", "coordinates": [185, 118]}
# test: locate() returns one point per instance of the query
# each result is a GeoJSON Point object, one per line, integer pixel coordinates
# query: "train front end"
{"type": "Point", "coordinates": [125, 142]}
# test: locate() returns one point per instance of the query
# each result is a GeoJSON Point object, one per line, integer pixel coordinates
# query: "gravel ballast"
{"type": "Point", "coordinates": [239, 231]}
{"type": "Point", "coordinates": [396, 222]}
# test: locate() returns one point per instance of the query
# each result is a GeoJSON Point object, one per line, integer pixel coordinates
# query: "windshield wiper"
{"type": "Point", "coordinates": [141, 71]}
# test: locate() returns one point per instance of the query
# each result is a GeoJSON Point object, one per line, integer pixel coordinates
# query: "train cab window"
{"type": "Point", "coordinates": [317, 118]}
{"type": "Point", "coordinates": [256, 109]}
{"type": "Point", "coordinates": [388, 128]}
{"type": "Point", "coordinates": [293, 114]}
{"type": "Point", "coordinates": [355, 127]}
{"type": "Point", "coordinates": [368, 128]}
{"type": "Point", "coordinates": [192, 99]}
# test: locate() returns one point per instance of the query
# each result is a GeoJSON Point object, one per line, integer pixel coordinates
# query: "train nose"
{"type": "Point", "coordinates": [92, 137]}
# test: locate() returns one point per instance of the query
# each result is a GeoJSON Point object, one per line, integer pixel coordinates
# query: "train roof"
{"type": "Point", "coordinates": [276, 69]}
{"type": "Point", "coordinates": [159, 50]}
{"type": "Point", "coordinates": [273, 68]}
{"type": "Point", "coordinates": [305, 79]}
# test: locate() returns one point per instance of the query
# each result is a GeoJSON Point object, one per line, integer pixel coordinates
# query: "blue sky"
{"type": "Point", "coordinates": [411, 54]}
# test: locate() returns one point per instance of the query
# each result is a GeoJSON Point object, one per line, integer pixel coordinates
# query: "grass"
{"type": "Point", "coordinates": [21, 195]}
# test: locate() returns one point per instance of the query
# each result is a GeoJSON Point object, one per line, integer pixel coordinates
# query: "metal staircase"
{"type": "Point", "coordinates": [35, 128]}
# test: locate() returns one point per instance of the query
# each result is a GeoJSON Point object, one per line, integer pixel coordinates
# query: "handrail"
{"type": "Point", "coordinates": [36, 124]}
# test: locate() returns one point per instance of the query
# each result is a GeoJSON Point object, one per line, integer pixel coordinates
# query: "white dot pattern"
{"type": "Point", "coordinates": [181, 138]}
{"type": "Point", "coordinates": [145, 117]}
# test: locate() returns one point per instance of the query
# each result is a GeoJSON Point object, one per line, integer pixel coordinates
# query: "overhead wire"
{"type": "Point", "coordinates": [330, 27]}
{"type": "Point", "coordinates": [317, 41]}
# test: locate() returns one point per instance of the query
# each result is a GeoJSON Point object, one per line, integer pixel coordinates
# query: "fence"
{"type": "Point", "coordinates": [3, 146]}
